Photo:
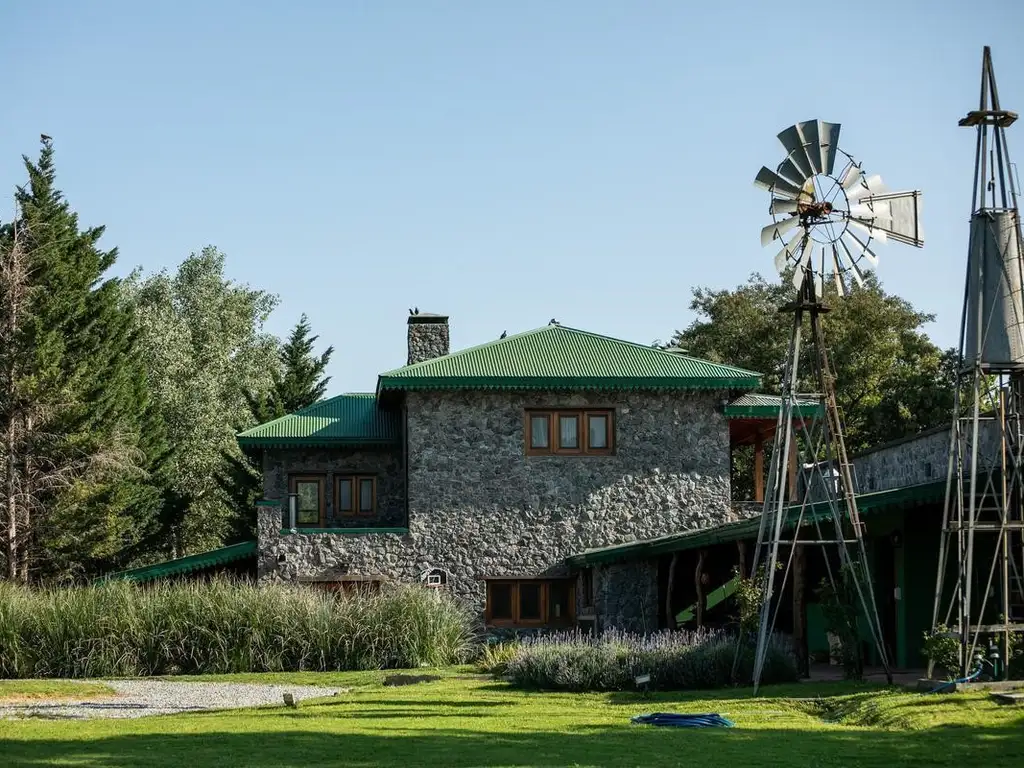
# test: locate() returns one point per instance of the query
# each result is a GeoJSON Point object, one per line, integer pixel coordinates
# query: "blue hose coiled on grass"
{"type": "Point", "coordinates": [672, 720]}
{"type": "Point", "coordinates": [970, 678]}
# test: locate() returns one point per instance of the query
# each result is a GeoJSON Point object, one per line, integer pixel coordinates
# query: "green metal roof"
{"type": "Point", "coordinates": [352, 419]}
{"type": "Point", "coordinates": [559, 357]}
{"type": "Point", "coordinates": [757, 406]}
{"type": "Point", "coordinates": [747, 529]}
{"type": "Point", "coordinates": [186, 564]}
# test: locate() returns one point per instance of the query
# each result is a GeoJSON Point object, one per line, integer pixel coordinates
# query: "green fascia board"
{"type": "Point", "coordinates": [749, 528]}
{"type": "Point", "coordinates": [186, 564]}
{"type": "Point", "coordinates": [559, 357]}
{"type": "Point", "coordinates": [344, 531]}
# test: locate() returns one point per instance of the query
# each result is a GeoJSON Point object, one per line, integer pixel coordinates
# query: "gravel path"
{"type": "Point", "coordinates": [138, 698]}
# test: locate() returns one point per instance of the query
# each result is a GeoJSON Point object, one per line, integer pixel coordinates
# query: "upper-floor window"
{"type": "Point", "coordinates": [355, 494]}
{"type": "Point", "coordinates": [309, 502]}
{"type": "Point", "coordinates": [563, 431]}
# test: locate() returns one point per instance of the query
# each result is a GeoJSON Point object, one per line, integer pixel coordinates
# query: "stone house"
{"type": "Point", "coordinates": [481, 471]}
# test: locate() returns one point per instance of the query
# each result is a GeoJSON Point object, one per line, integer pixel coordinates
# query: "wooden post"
{"type": "Point", "coordinates": [759, 468]}
{"type": "Point", "coordinates": [670, 615]}
{"type": "Point", "coordinates": [742, 547]}
{"type": "Point", "coordinates": [700, 588]}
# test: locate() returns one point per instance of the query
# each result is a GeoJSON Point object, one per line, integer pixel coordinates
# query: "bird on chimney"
{"type": "Point", "coordinates": [417, 310]}
{"type": "Point", "coordinates": [44, 137]}
{"type": "Point", "coordinates": [410, 310]}
{"type": "Point", "coordinates": [503, 334]}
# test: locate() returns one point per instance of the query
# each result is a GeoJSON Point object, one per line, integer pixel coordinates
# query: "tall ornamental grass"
{"type": "Point", "coordinates": [124, 630]}
{"type": "Point", "coordinates": [573, 661]}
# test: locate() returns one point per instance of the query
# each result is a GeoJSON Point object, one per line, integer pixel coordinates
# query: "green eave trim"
{"type": "Point", "coordinates": [186, 564]}
{"type": "Point", "coordinates": [559, 382]}
{"type": "Point", "coordinates": [313, 442]}
{"type": "Point", "coordinates": [911, 495]}
{"type": "Point", "coordinates": [345, 531]}
{"type": "Point", "coordinates": [768, 411]}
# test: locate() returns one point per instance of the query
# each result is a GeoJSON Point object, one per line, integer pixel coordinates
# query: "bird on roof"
{"type": "Point", "coordinates": [503, 334]}
{"type": "Point", "coordinates": [552, 321]}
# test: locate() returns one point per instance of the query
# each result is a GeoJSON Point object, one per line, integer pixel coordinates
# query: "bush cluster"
{"type": "Point", "coordinates": [126, 630]}
{"type": "Point", "coordinates": [574, 661]}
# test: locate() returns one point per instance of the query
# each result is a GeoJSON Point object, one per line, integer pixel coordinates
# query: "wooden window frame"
{"type": "Point", "coordinates": [545, 604]}
{"type": "Point", "coordinates": [582, 415]}
{"type": "Point", "coordinates": [356, 481]}
{"type": "Point", "coordinates": [293, 484]}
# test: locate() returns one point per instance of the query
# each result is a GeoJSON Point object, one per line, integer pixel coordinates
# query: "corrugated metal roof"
{"type": "Point", "coordinates": [187, 564]}
{"type": "Point", "coordinates": [346, 419]}
{"type": "Point", "coordinates": [557, 356]}
{"type": "Point", "coordinates": [754, 405]}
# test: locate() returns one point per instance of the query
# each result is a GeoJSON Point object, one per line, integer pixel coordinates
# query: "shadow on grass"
{"type": "Point", "coordinates": [593, 746]}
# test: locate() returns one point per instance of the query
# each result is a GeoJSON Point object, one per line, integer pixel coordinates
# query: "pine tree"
{"type": "Point", "coordinates": [298, 383]}
{"type": "Point", "coordinates": [84, 486]}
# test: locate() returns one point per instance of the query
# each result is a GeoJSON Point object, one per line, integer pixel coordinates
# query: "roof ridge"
{"type": "Point", "coordinates": [466, 350]}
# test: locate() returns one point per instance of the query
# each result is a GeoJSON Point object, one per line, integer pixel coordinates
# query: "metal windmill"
{"type": "Point", "coordinates": [828, 223]}
{"type": "Point", "coordinates": [983, 517]}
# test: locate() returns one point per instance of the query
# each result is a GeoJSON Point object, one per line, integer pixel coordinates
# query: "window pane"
{"type": "Point", "coordinates": [597, 431]}
{"type": "Point", "coordinates": [308, 501]}
{"type": "Point", "coordinates": [558, 602]}
{"type": "Point", "coordinates": [568, 432]}
{"type": "Point", "coordinates": [539, 429]}
{"type": "Point", "coordinates": [499, 601]}
{"type": "Point", "coordinates": [344, 495]}
{"type": "Point", "coordinates": [366, 495]}
{"type": "Point", "coordinates": [530, 602]}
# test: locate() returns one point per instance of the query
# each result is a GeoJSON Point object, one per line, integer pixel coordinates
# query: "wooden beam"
{"type": "Point", "coordinates": [670, 615]}
{"type": "Point", "coordinates": [742, 547]}
{"type": "Point", "coordinates": [699, 614]}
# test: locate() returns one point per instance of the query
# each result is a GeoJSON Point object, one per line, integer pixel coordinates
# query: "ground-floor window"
{"type": "Point", "coordinates": [530, 602]}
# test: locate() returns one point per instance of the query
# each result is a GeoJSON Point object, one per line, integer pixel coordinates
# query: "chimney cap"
{"type": "Point", "coordinates": [427, 317]}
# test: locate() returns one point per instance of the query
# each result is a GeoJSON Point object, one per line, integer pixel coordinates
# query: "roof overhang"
{"type": "Point", "coordinates": [184, 565]}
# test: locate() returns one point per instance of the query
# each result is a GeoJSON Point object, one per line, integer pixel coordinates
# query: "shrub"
{"type": "Point", "coordinates": [123, 630]}
{"type": "Point", "coordinates": [494, 658]}
{"type": "Point", "coordinates": [574, 661]}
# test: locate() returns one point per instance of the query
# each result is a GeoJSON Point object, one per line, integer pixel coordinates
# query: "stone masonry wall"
{"type": "Point", "coordinates": [480, 508]}
{"type": "Point", "coordinates": [428, 337]}
{"type": "Point", "coordinates": [383, 463]}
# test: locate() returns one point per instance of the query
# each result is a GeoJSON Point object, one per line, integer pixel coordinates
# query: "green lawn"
{"type": "Point", "coordinates": [12, 691]}
{"type": "Point", "coordinates": [465, 720]}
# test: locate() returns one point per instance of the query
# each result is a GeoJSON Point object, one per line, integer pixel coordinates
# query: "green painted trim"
{"type": "Point", "coordinates": [185, 564]}
{"type": "Point", "coordinates": [767, 411]}
{"type": "Point", "coordinates": [345, 531]}
{"type": "Point", "coordinates": [631, 383]}
{"type": "Point", "coordinates": [314, 442]}
{"type": "Point", "coordinates": [712, 599]}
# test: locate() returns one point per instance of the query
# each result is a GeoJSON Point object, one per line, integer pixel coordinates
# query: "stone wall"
{"type": "Point", "coordinates": [383, 463]}
{"type": "Point", "coordinates": [480, 508]}
{"type": "Point", "coordinates": [921, 459]}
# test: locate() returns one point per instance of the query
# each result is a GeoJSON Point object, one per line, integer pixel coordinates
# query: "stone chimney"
{"type": "Point", "coordinates": [428, 336]}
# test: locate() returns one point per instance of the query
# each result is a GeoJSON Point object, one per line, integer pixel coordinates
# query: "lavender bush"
{"type": "Point", "coordinates": [574, 661]}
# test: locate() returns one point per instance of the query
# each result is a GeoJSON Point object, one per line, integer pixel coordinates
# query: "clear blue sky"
{"type": "Point", "coordinates": [503, 163]}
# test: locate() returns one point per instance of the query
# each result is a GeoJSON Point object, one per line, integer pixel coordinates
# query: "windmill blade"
{"type": "Point", "coordinates": [866, 253]}
{"type": "Point", "coordinates": [793, 141]}
{"type": "Point", "coordinates": [791, 172]}
{"type": "Point", "coordinates": [851, 177]}
{"type": "Point", "coordinates": [787, 252]}
{"type": "Point", "coordinates": [812, 143]}
{"type": "Point", "coordinates": [872, 185]}
{"type": "Point", "coordinates": [828, 135]}
{"type": "Point", "coordinates": [805, 259]}
{"type": "Point", "coordinates": [768, 179]}
{"type": "Point", "coordinates": [904, 225]}
{"type": "Point", "coordinates": [837, 275]}
{"type": "Point", "coordinates": [780, 206]}
{"type": "Point", "coordinates": [870, 208]}
{"type": "Point", "coordinates": [867, 228]}
{"type": "Point", "coordinates": [854, 269]}
{"type": "Point", "coordinates": [777, 230]}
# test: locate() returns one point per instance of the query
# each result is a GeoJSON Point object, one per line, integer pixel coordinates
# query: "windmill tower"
{"type": "Point", "coordinates": [832, 220]}
{"type": "Point", "coordinates": [981, 592]}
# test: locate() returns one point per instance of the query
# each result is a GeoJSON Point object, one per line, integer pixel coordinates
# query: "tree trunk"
{"type": "Point", "coordinates": [670, 616]}
{"type": "Point", "coordinates": [10, 484]}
